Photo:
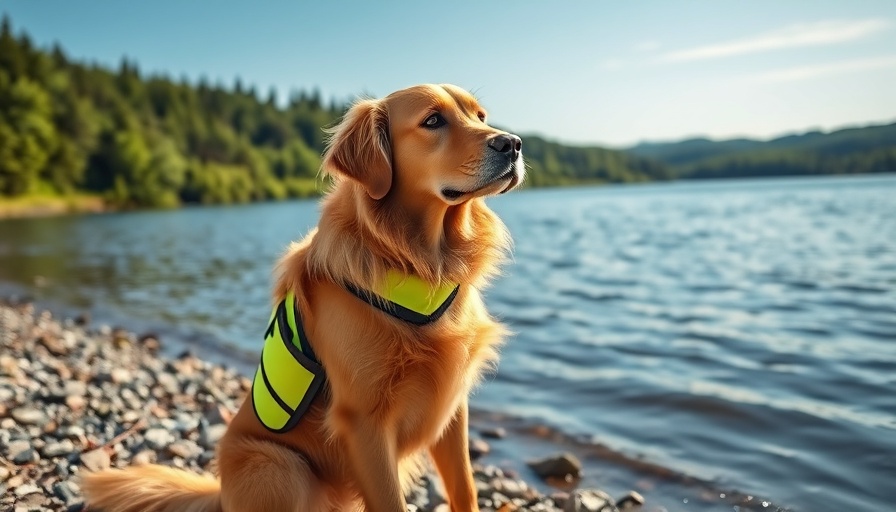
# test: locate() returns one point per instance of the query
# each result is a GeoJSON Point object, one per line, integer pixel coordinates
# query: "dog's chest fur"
{"type": "Point", "coordinates": [412, 377]}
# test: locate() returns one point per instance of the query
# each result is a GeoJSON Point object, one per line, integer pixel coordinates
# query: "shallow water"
{"type": "Point", "coordinates": [737, 334]}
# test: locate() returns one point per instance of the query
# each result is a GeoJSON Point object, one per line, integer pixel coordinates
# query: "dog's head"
{"type": "Point", "coordinates": [427, 139]}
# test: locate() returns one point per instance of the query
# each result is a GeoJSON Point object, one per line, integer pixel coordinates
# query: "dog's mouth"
{"type": "Point", "coordinates": [452, 194]}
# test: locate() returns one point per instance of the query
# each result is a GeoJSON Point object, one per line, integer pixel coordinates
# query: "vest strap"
{"type": "Point", "coordinates": [409, 298]}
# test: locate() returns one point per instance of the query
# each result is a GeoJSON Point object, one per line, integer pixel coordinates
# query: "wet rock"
{"type": "Point", "coordinates": [493, 432]}
{"type": "Point", "coordinates": [82, 319]}
{"type": "Point", "coordinates": [562, 466]}
{"type": "Point", "coordinates": [478, 448]}
{"type": "Point", "coordinates": [590, 501]}
{"type": "Point", "coordinates": [631, 500]}
{"type": "Point", "coordinates": [96, 460]}
{"type": "Point", "coordinates": [150, 342]}
{"type": "Point", "coordinates": [29, 416]}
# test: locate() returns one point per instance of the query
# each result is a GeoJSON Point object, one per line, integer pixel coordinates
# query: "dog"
{"type": "Point", "coordinates": [410, 173]}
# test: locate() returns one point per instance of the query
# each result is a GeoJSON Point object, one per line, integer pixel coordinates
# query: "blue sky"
{"type": "Point", "coordinates": [611, 73]}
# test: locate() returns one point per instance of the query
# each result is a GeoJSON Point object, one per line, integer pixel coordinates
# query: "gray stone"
{"type": "Point", "coordinates": [58, 448]}
{"type": "Point", "coordinates": [157, 438]}
{"type": "Point", "coordinates": [435, 492]}
{"type": "Point", "coordinates": [21, 452]}
{"type": "Point", "coordinates": [185, 449]}
{"type": "Point", "coordinates": [493, 433]}
{"type": "Point", "coordinates": [67, 492]}
{"type": "Point", "coordinates": [96, 460]}
{"type": "Point", "coordinates": [631, 500]}
{"type": "Point", "coordinates": [562, 466]}
{"type": "Point", "coordinates": [209, 435]}
{"type": "Point", "coordinates": [589, 500]}
{"type": "Point", "coordinates": [478, 448]}
{"type": "Point", "coordinates": [29, 416]}
{"type": "Point", "coordinates": [511, 488]}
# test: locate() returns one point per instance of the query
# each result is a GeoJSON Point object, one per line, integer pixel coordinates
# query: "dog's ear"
{"type": "Point", "coordinates": [359, 148]}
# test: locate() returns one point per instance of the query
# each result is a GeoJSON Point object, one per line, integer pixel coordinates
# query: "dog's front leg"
{"type": "Point", "coordinates": [452, 457]}
{"type": "Point", "coordinates": [372, 451]}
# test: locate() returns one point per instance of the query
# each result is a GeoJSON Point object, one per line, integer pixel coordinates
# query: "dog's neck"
{"type": "Point", "coordinates": [360, 239]}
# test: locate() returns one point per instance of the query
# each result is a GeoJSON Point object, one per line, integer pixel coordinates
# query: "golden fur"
{"type": "Point", "coordinates": [406, 196]}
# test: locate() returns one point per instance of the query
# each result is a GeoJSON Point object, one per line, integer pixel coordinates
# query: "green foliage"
{"type": "Point", "coordinates": [849, 151]}
{"type": "Point", "coordinates": [556, 164]}
{"type": "Point", "coordinates": [138, 141]}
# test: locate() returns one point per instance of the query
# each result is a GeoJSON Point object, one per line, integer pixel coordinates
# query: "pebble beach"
{"type": "Point", "coordinates": [76, 397]}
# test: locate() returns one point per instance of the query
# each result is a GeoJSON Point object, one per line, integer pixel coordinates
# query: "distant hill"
{"type": "Point", "coordinates": [846, 151]}
{"type": "Point", "coordinates": [552, 163]}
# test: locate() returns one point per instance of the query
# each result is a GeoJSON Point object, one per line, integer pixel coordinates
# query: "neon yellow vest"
{"type": "Point", "coordinates": [289, 375]}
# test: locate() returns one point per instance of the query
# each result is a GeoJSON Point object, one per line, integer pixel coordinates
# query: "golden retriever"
{"type": "Point", "coordinates": [410, 173]}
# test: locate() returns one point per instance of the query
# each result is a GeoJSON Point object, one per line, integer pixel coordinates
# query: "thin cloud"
{"type": "Point", "coordinates": [648, 46]}
{"type": "Point", "coordinates": [794, 36]}
{"type": "Point", "coordinates": [835, 68]}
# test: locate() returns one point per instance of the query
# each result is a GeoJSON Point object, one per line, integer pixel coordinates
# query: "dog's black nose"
{"type": "Point", "coordinates": [507, 143]}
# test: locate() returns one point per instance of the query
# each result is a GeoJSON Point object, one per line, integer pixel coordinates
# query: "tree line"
{"type": "Point", "coordinates": [149, 141]}
{"type": "Point", "coordinates": [869, 149]}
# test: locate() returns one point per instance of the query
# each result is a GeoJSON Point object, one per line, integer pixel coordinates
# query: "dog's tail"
{"type": "Point", "coordinates": [151, 488]}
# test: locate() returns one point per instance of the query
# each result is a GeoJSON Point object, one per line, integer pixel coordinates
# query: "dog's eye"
{"type": "Point", "coordinates": [434, 121]}
{"type": "Point", "coordinates": [481, 116]}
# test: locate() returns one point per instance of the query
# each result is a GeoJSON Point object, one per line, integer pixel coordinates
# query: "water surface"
{"type": "Point", "coordinates": [736, 334]}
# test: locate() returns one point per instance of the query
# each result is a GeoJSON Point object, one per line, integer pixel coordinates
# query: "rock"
{"type": "Point", "coordinates": [144, 457]}
{"type": "Point", "coordinates": [58, 448]}
{"type": "Point", "coordinates": [4, 473]}
{"type": "Point", "coordinates": [589, 500]}
{"type": "Point", "coordinates": [184, 449]}
{"type": "Point", "coordinates": [510, 488]}
{"type": "Point", "coordinates": [67, 491]}
{"type": "Point", "coordinates": [82, 319]}
{"type": "Point", "coordinates": [150, 341]}
{"type": "Point", "coordinates": [631, 500]}
{"type": "Point", "coordinates": [157, 438]}
{"type": "Point", "coordinates": [478, 448]}
{"type": "Point", "coordinates": [493, 433]}
{"type": "Point", "coordinates": [120, 375]}
{"type": "Point", "coordinates": [29, 416]}
{"type": "Point", "coordinates": [563, 466]}
{"type": "Point", "coordinates": [209, 435]}
{"type": "Point", "coordinates": [74, 387]}
{"type": "Point", "coordinates": [417, 498]}
{"type": "Point", "coordinates": [75, 402]}
{"type": "Point", "coordinates": [96, 460]}
{"type": "Point", "coordinates": [435, 493]}
{"type": "Point", "coordinates": [560, 498]}
{"type": "Point", "coordinates": [25, 489]}
{"type": "Point", "coordinates": [21, 452]}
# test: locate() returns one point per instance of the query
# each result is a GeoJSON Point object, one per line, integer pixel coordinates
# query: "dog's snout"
{"type": "Point", "coordinates": [506, 143]}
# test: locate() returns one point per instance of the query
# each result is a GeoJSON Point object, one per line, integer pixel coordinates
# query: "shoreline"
{"type": "Point", "coordinates": [75, 397]}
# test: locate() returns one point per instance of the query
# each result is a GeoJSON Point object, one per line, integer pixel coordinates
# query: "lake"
{"type": "Point", "coordinates": [737, 335]}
